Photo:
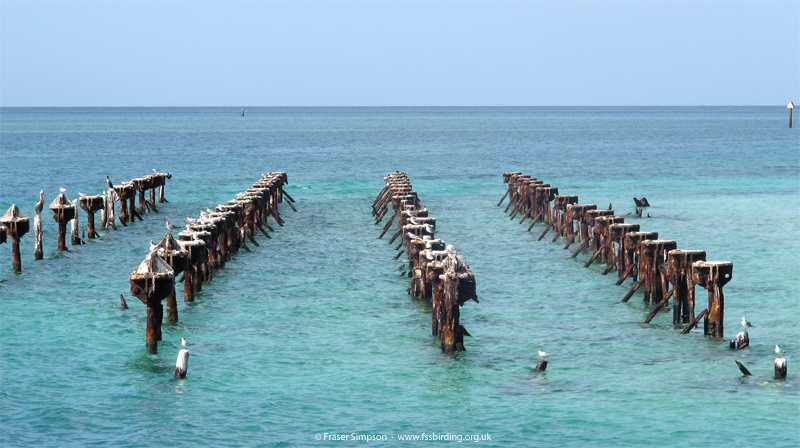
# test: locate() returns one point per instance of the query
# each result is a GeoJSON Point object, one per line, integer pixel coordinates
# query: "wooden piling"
{"type": "Point", "coordinates": [63, 212]}
{"type": "Point", "coordinates": [17, 225]}
{"type": "Point", "coordinates": [182, 364]}
{"type": "Point", "coordinates": [713, 275]}
{"type": "Point", "coordinates": [679, 274]}
{"type": "Point", "coordinates": [781, 368]}
{"type": "Point", "coordinates": [152, 282]}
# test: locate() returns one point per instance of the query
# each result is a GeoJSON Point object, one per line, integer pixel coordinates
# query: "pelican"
{"type": "Point", "coordinates": [544, 354]}
{"type": "Point", "coordinates": [108, 181]}
{"type": "Point", "coordinates": [40, 203]}
{"type": "Point", "coordinates": [171, 226]}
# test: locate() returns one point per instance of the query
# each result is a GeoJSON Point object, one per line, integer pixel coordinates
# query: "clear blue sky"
{"type": "Point", "coordinates": [381, 53]}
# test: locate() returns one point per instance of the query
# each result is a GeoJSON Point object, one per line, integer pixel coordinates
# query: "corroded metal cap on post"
{"type": "Point", "coordinates": [15, 222]}
{"type": "Point", "coordinates": [153, 279]}
{"type": "Point", "coordinates": [63, 209]}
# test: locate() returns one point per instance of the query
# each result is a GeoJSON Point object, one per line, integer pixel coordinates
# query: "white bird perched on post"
{"type": "Point", "coordinates": [746, 324]}
{"type": "Point", "coordinates": [63, 190]}
{"type": "Point", "coordinates": [191, 219]}
{"type": "Point", "coordinates": [544, 354]}
{"type": "Point", "coordinates": [81, 194]}
{"type": "Point", "coordinates": [153, 246]}
{"type": "Point", "coordinates": [155, 170]}
{"type": "Point", "coordinates": [778, 350]}
{"type": "Point", "coordinates": [171, 226]}
{"type": "Point", "coordinates": [185, 343]}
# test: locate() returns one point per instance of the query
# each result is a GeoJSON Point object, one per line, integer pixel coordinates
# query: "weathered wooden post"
{"type": "Point", "coordinates": [16, 224]}
{"type": "Point", "coordinates": [653, 257]}
{"type": "Point", "coordinates": [63, 212]}
{"type": "Point", "coordinates": [160, 182]}
{"type": "Point", "coordinates": [91, 204]}
{"type": "Point", "coordinates": [75, 226]}
{"type": "Point", "coordinates": [713, 275]}
{"type": "Point", "coordinates": [791, 108]}
{"type": "Point", "coordinates": [181, 364]}
{"type": "Point", "coordinates": [780, 368]}
{"type": "Point", "coordinates": [178, 259]}
{"type": "Point", "coordinates": [679, 273]}
{"type": "Point", "coordinates": [617, 234]}
{"type": "Point", "coordinates": [123, 192]}
{"type": "Point", "coordinates": [742, 340]}
{"type": "Point", "coordinates": [196, 249]}
{"type": "Point", "coordinates": [632, 253]}
{"type": "Point", "coordinates": [152, 282]}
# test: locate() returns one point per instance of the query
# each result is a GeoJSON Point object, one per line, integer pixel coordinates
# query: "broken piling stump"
{"type": "Point", "coordinates": [178, 259]}
{"type": "Point", "coordinates": [781, 368]}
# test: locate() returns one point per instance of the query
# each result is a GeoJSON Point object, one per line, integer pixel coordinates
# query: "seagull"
{"type": "Point", "coordinates": [746, 324]}
{"type": "Point", "coordinates": [191, 219]}
{"type": "Point", "coordinates": [108, 181]}
{"type": "Point", "coordinates": [155, 170]}
{"type": "Point", "coordinates": [40, 202]}
{"type": "Point", "coordinates": [81, 194]}
{"type": "Point", "coordinates": [153, 246]}
{"type": "Point", "coordinates": [171, 226]}
{"type": "Point", "coordinates": [186, 344]}
{"type": "Point", "coordinates": [778, 350]}
{"type": "Point", "coordinates": [63, 190]}
{"type": "Point", "coordinates": [544, 354]}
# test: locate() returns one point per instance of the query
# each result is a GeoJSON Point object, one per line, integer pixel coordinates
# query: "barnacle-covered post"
{"type": "Point", "coordinates": [63, 212]}
{"type": "Point", "coordinates": [178, 259]}
{"type": "Point", "coordinates": [713, 275]}
{"type": "Point", "coordinates": [91, 204]}
{"type": "Point", "coordinates": [152, 282]}
{"type": "Point", "coordinates": [16, 224]}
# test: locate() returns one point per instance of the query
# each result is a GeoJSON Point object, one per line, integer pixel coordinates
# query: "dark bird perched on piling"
{"type": "Point", "coordinates": [108, 181]}
{"type": "Point", "coordinates": [609, 206]}
{"type": "Point", "coordinates": [40, 202]}
{"type": "Point", "coordinates": [641, 202]}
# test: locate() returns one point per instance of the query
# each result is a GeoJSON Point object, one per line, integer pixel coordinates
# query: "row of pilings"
{"type": "Point", "coordinates": [436, 270]}
{"type": "Point", "coordinates": [654, 265]}
{"type": "Point", "coordinates": [15, 223]}
{"type": "Point", "coordinates": [204, 246]}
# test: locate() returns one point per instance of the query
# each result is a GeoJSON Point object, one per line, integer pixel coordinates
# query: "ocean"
{"type": "Point", "coordinates": [313, 337]}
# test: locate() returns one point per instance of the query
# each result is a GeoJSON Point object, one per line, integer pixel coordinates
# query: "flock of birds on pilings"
{"type": "Point", "coordinates": [653, 264]}
{"type": "Point", "coordinates": [15, 223]}
{"type": "Point", "coordinates": [436, 270]}
{"type": "Point", "coordinates": [202, 247]}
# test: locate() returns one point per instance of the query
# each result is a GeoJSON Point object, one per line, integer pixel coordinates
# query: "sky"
{"type": "Point", "coordinates": [399, 53]}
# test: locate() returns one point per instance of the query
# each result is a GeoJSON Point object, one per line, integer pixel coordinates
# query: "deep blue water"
{"type": "Point", "coordinates": [313, 332]}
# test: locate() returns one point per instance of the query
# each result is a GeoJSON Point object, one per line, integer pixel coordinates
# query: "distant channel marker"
{"type": "Point", "coordinates": [791, 108]}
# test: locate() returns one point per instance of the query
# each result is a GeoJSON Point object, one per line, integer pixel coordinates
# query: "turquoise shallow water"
{"type": "Point", "coordinates": [313, 332]}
